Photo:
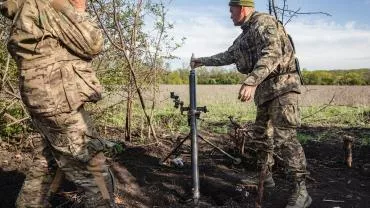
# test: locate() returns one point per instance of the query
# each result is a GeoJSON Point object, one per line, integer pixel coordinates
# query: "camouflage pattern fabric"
{"type": "Point", "coordinates": [38, 178]}
{"type": "Point", "coordinates": [37, 24]}
{"type": "Point", "coordinates": [53, 45]}
{"type": "Point", "coordinates": [282, 116]}
{"type": "Point", "coordinates": [78, 152]}
{"type": "Point", "coordinates": [59, 87]}
{"type": "Point", "coordinates": [263, 52]}
{"type": "Point", "coordinates": [53, 49]}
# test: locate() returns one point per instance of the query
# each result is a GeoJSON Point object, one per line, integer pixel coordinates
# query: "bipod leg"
{"type": "Point", "coordinates": [236, 160]}
{"type": "Point", "coordinates": [174, 150]}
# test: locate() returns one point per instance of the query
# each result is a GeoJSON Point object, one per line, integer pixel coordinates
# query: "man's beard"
{"type": "Point", "coordinates": [239, 23]}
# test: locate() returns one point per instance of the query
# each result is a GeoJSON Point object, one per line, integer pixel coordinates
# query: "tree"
{"type": "Point", "coordinates": [138, 49]}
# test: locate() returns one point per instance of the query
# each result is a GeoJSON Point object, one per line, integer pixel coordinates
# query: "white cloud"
{"type": "Point", "coordinates": [320, 44]}
{"type": "Point", "coordinates": [327, 45]}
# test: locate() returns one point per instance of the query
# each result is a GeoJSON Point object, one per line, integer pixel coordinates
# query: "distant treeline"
{"type": "Point", "coordinates": [226, 76]}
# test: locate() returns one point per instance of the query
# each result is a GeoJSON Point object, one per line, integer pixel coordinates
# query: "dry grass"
{"type": "Point", "coordinates": [353, 96]}
{"type": "Point", "coordinates": [320, 105]}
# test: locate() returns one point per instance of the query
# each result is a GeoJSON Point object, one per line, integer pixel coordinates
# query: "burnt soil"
{"type": "Point", "coordinates": [142, 182]}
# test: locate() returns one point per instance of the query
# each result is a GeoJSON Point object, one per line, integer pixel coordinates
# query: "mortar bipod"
{"type": "Point", "coordinates": [194, 114]}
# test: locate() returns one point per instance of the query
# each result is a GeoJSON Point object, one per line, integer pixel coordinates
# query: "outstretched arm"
{"type": "Point", "coordinates": [220, 59]}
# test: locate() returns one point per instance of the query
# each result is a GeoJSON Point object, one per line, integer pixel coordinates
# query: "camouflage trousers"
{"type": "Point", "coordinates": [276, 134]}
{"type": "Point", "coordinates": [69, 139]}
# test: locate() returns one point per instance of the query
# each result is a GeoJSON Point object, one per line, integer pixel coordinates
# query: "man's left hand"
{"type": "Point", "coordinates": [60, 5]}
{"type": "Point", "coordinates": [80, 5]}
{"type": "Point", "coordinates": [246, 92]}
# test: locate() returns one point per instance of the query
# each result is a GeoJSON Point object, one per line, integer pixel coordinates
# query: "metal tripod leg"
{"type": "Point", "coordinates": [174, 149]}
{"type": "Point", "coordinates": [235, 159]}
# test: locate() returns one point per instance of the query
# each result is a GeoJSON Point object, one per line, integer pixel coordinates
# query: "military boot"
{"type": "Point", "coordinates": [101, 193]}
{"type": "Point", "coordinates": [253, 180]}
{"type": "Point", "coordinates": [299, 197]}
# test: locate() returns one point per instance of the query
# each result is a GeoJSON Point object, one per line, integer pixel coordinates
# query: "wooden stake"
{"type": "Point", "coordinates": [347, 147]}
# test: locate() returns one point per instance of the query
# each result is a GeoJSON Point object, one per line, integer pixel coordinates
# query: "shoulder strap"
{"type": "Point", "coordinates": [298, 68]}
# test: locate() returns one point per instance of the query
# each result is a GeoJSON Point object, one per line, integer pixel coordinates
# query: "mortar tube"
{"type": "Point", "coordinates": [194, 137]}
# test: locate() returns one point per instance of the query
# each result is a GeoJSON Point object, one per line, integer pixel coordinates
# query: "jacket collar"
{"type": "Point", "coordinates": [248, 21]}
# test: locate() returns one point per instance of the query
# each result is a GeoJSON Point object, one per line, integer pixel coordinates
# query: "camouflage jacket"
{"type": "Point", "coordinates": [264, 52]}
{"type": "Point", "coordinates": [53, 45]}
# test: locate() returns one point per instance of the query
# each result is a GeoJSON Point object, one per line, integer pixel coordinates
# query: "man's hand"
{"type": "Point", "coordinates": [80, 5]}
{"type": "Point", "coordinates": [195, 63]}
{"type": "Point", "coordinates": [61, 5]}
{"type": "Point", "coordinates": [246, 92]}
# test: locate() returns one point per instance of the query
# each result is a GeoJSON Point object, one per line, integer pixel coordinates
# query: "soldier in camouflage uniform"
{"type": "Point", "coordinates": [264, 52]}
{"type": "Point", "coordinates": [53, 43]}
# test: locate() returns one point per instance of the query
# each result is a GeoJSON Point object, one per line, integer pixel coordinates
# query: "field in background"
{"type": "Point", "coordinates": [341, 106]}
{"type": "Point", "coordinates": [312, 95]}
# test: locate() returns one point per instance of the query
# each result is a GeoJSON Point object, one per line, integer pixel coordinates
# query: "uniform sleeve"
{"type": "Point", "coordinates": [220, 59]}
{"type": "Point", "coordinates": [270, 53]}
{"type": "Point", "coordinates": [9, 8]}
{"type": "Point", "coordinates": [76, 30]}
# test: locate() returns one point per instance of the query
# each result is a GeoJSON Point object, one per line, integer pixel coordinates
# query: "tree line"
{"type": "Point", "coordinates": [219, 76]}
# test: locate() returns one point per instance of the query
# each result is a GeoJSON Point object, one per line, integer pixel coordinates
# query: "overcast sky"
{"type": "Point", "coordinates": [341, 41]}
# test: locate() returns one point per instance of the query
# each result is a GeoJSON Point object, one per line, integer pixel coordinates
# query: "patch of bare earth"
{"type": "Point", "coordinates": [142, 182]}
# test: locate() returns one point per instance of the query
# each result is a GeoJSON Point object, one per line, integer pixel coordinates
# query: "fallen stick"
{"type": "Point", "coordinates": [335, 201]}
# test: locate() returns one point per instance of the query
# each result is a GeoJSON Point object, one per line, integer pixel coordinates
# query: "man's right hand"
{"type": "Point", "coordinates": [195, 63]}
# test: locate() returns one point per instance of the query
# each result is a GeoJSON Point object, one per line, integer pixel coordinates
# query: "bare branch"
{"type": "Point", "coordinates": [274, 8]}
{"type": "Point", "coordinates": [18, 121]}
{"type": "Point", "coordinates": [303, 13]}
{"type": "Point", "coordinates": [270, 7]}
{"type": "Point", "coordinates": [321, 109]}
{"type": "Point", "coordinates": [291, 16]}
{"type": "Point", "coordinates": [282, 14]}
